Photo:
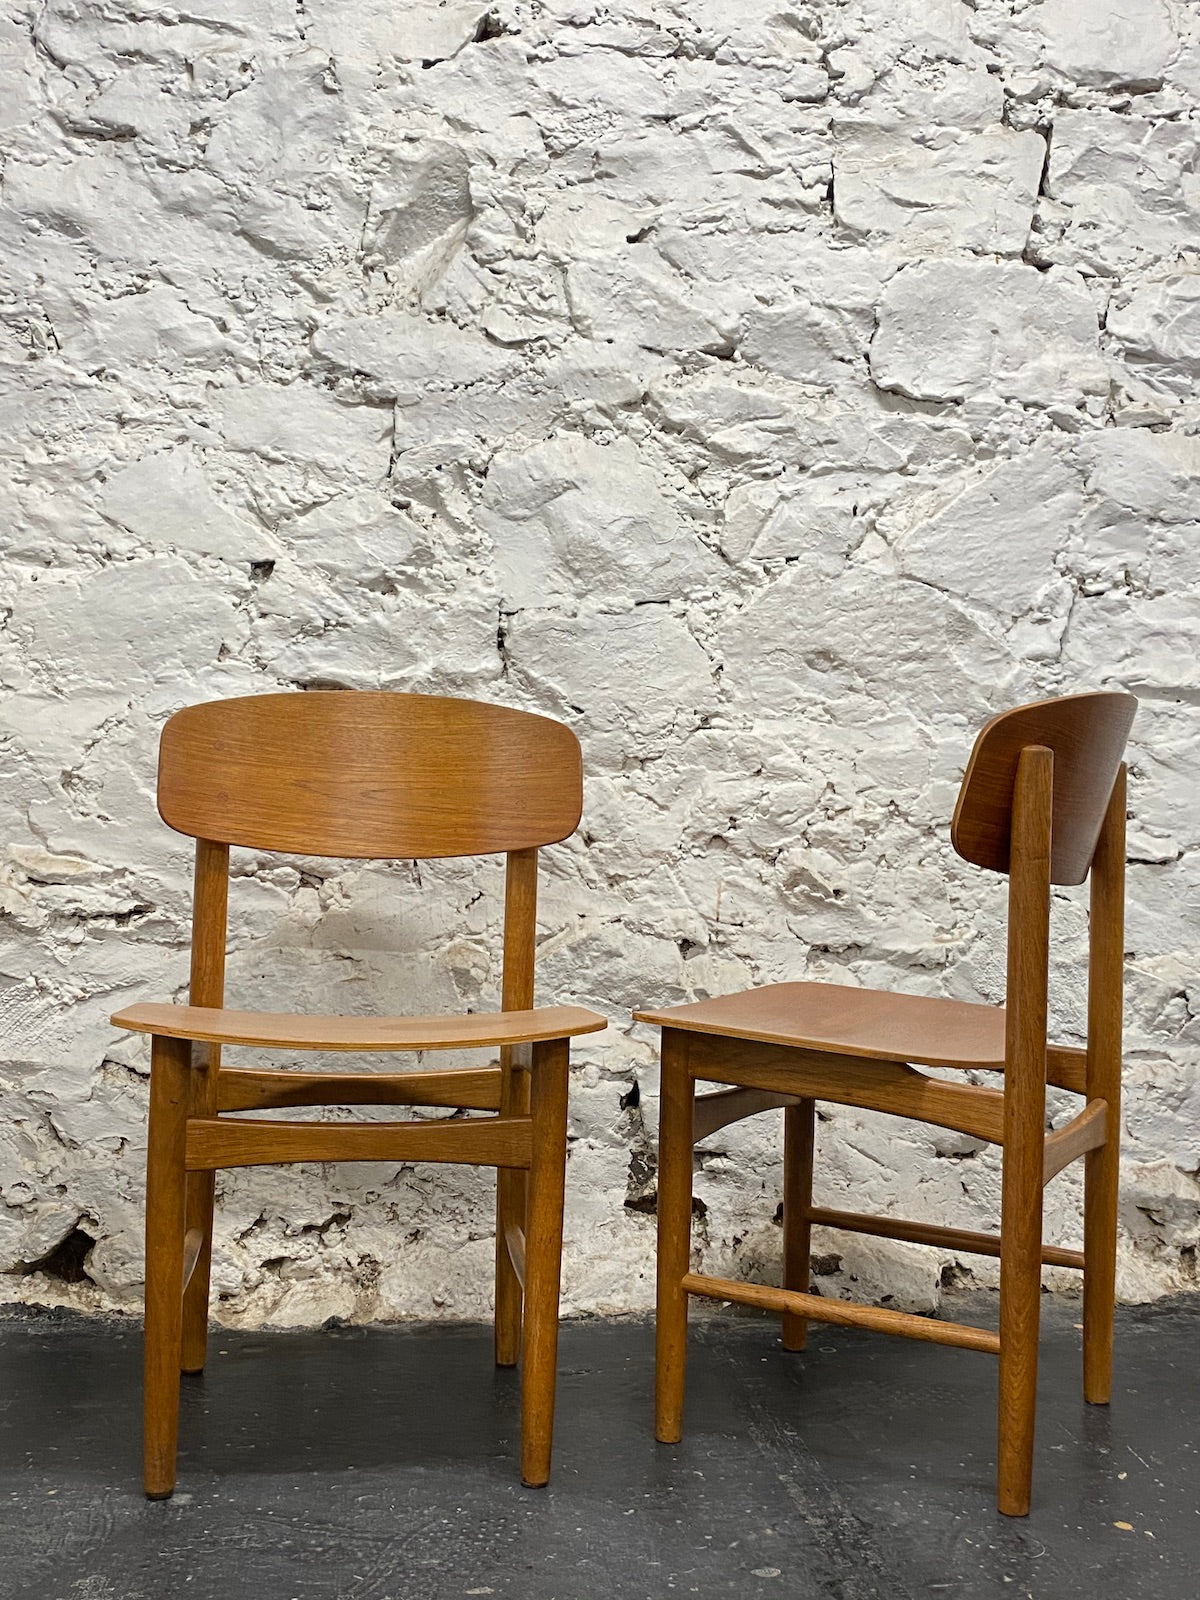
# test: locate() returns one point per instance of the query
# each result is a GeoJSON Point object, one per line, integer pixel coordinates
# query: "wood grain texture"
{"type": "Point", "coordinates": [543, 1257]}
{"type": "Point", "coordinates": [257, 1089]}
{"type": "Point", "coordinates": [210, 898]}
{"type": "Point", "coordinates": [354, 773]}
{"type": "Point", "coordinates": [716, 1111]}
{"type": "Point", "coordinates": [971, 1243]}
{"type": "Point", "coordinates": [675, 1143]}
{"type": "Point", "coordinates": [166, 1201]}
{"type": "Point", "coordinates": [248, 1142]}
{"type": "Point", "coordinates": [289, 1031]}
{"type": "Point", "coordinates": [1106, 946]}
{"type": "Point", "coordinates": [799, 1127]}
{"type": "Point", "coordinates": [1085, 1132]}
{"type": "Point", "coordinates": [843, 1313]}
{"type": "Point", "coordinates": [517, 993]}
{"type": "Point", "coordinates": [840, 1020]}
{"type": "Point", "coordinates": [1086, 734]}
{"type": "Point", "coordinates": [1024, 1123]}
{"type": "Point", "coordinates": [847, 1080]}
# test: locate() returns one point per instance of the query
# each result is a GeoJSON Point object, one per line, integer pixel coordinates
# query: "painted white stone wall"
{"type": "Point", "coordinates": [771, 390]}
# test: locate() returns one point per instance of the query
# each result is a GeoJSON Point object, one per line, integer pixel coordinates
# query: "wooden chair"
{"type": "Point", "coordinates": [1043, 800]}
{"type": "Point", "coordinates": [363, 775]}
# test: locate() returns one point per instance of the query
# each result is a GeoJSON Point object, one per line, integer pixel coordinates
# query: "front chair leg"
{"type": "Point", "coordinates": [676, 1106]}
{"type": "Point", "coordinates": [166, 1187]}
{"type": "Point", "coordinates": [798, 1130]}
{"type": "Point", "coordinates": [543, 1256]}
{"type": "Point", "coordinates": [1020, 1314]}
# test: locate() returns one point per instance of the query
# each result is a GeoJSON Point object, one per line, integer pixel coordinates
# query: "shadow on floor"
{"type": "Point", "coordinates": [380, 1464]}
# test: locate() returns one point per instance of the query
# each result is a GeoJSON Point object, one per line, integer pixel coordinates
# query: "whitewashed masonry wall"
{"type": "Point", "coordinates": [772, 391]}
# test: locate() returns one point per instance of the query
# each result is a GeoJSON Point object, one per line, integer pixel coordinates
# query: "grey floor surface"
{"type": "Point", "coordinates": [379, 1464]}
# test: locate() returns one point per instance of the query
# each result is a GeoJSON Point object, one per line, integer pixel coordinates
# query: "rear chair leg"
{"type": "Point", "coordinates": [200, 1190]}
{"type": "Point", "coordinates": [165, 1217]}
{"type": "Point", "coordinates": [798, 1130]}
{"type": "Point", "coordinates": [675, 1141]}
{"type": "Point", "coordinates": [1100, 1181]}
{"type": "Point", "coordinates": [543, 1257]}
{"type": "Point", "coordinates": [512, 1191]}
{"type": "Point", "coordinates": [510, 1213]}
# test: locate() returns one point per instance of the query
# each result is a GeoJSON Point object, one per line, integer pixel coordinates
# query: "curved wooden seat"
{"type": "Point", "coordinates": [288, 1031]}
{"type": "Point", "coordinates": [853, 1022]}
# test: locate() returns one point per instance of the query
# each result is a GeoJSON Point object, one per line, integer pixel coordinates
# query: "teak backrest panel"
{"type": "Point", "coordinates": [369, 774]}
{"type": "Point", "coordinates": [1087, 733]}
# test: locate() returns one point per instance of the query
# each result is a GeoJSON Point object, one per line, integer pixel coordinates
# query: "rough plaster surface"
{"type": "Point", "coordinates": [770, 390]}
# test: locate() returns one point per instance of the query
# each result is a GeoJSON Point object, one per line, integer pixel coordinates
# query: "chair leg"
{"type": "Point", "coordinates": [543, 1257]}
{"type": "Point", "coordinates": [511, 1204]}
{"type": "Point", "coordinates": [675, 1125]}
{"type": "Point", "coordinates": [510, 1212]}
{"type": "Point", "coordinates": [1020, 1313]}
{"type": "Point", "coordinates": [200, 1192]}
{"type": "Point", "coordinates": [165, 1218]}
{"type": "Point", "coordinates": [1100, 1180]}
{"type": "Point", "coordinates": [798, 1129]}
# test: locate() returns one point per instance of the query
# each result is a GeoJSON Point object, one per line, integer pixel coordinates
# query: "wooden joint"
{"type": "Point", "coordinates": [712, 1112]}
{"type": "Point", "coordinates": [263, 1089]}
{"type": "Point", "coordinates": [1087, 1131]}
{"type": "Point", "coordinates": [874, 1085]}
{"type": "Point", "coordinates": [843, 1313]}
{"type": "Point", "coordinates": [514, 1243]}
{"type": "Point", "coordinates": [193, 1243]}
{"type": "Point", "coordinates": [219, 1142]}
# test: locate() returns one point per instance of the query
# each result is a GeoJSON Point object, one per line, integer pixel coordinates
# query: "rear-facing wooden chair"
{"type": "Point", "coordinates": [365, 775]}
{"type": "Point", "coordinates": [1043, 800]}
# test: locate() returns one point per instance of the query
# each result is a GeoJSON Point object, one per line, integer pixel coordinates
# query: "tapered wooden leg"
{"type": "Point", "coordinates": [1100, 1180]}
{"type": "Point", "coordinates": [543, 1257]}
{"type": "Point", "coordinates": [798, 1130]}
{"type": "Point", "coordinates": [165, 1216]}
{"type": "Point", "coordinates": [1106, 966]}
{"type": "Point", "coordinates": [675, 1110]}
{"type": "Point", "coordinates": [1020, 1312]}
{"type": "Point", "coordinates": [511, 1201]}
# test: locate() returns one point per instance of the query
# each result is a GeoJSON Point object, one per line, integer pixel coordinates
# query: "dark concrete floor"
{"type": "Point", "coordinates": [379, 1464]}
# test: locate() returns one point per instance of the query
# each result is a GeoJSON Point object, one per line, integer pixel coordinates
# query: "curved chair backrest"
{"type": "Point", "coordinates": [365, 774]}
{"type": "Point", "coordinates": [1087, 733]}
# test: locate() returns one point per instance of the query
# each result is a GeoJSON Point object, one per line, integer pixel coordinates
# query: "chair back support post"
{"type": "Point", "coordinates": [520, 929]}
{"type": "Point", "coordinates": [210, 900]}
{"type": "Point", "coordinates": [1024, 1119]}
{"type": "Point", "coordinates": [1029, 926]}
{"type": "Point", "coordinates": [1102, 1174]}
{"type": "Point", "coordinates": [1106, 950]}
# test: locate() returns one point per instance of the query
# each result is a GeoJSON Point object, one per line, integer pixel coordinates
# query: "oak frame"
{"type": "Point", "coordinates": [194, 1130]}
{"type": "Point", "coordinates": [766, 1075]}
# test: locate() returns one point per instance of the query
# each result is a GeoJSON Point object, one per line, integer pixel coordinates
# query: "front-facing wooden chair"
{"type": "Point", "coordinates": [360, 775]}
{"type": "Point", "coordinates": [1043, 800]}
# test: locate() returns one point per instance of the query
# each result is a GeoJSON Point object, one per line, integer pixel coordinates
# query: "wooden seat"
{"type": "Point", "coordinates": [283, 1030]}
{"type": "Point", "coordinates": [1043, 800]}
{"type": "Point", "coordinates": [359, 775]}
{"type": "Point", "coordinates": [845, 1021]}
